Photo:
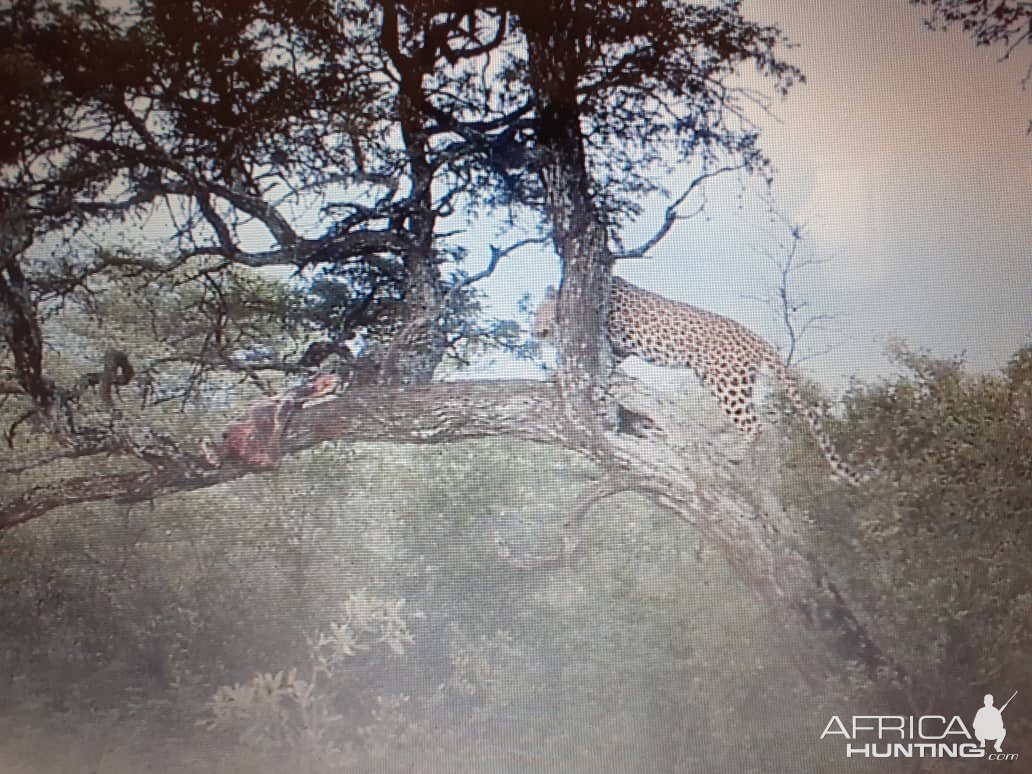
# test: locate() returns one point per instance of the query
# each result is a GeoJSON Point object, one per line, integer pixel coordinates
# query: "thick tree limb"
{"type": "Point", "coordinates": [434, 413]}
{"type": "Point", "coordinates": [776, 572]}
{"type": "Point", "coordinates": [19, 322]}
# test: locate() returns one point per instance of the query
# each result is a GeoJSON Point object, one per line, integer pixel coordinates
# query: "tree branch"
{"type": "Point", "coordinates": [446, 412]}
{"type": "Point", "coordinates": [496, 255]}
{"type": "Point", "coordinates": [433, 413]}
{"type": "Point", "coordinates": [672, 216]}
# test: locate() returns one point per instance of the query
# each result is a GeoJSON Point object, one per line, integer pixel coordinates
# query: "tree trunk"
{"type": "Point", "coordinates": [798, 591]}
{"type": "Point", "coordinates": [579, 235]}
{"type": "Point", "coordinates": [418, 344]}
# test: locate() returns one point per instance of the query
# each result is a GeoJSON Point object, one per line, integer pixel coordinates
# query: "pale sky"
{"type": "Point", "coordinates": [906, 156]}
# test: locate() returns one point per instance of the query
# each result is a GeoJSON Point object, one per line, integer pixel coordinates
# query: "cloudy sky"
{"type": "Point", "coordinates": [906, 157]}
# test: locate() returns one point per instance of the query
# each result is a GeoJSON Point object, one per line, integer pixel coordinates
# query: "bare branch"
{"type": "Point", "coordinates": [417, 414]}
{"type": "Point", "coordinates": [672, 215]}
{"type": "Point", "coordinates": [496, 256]}
{"type": "Point", "coordinates": [783, 303]}
{"type": "Point", "coordinates": [357, 244]}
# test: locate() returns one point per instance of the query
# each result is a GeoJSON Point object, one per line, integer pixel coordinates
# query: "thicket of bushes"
{"type": "Point", "coordinates": [414, 608]}
{"type": "Point", "coordinates": [938, 557]}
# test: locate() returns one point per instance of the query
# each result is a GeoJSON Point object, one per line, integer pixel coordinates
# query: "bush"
{"type": "Point", "coordinates": [937, 555]}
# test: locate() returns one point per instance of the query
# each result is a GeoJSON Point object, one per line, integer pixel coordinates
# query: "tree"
{"type": "Point", "coordinates": [992, 23]}
{"type": "Point", "coordinates": [949, 546]}
{"type": "Point", "coordinates": [793, 313]}
{"type": "Point", "coordinates": [382, 117]}
{"type": "Point", "coordinates": [142, 117]}
{"type": "Point", "coordinates": [1001, 22]}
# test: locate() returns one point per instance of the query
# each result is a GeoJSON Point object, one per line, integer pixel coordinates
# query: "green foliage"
{"type": "Point", "coordinates": [955, 443]}
{"type": "Point", "coordinates": [285, 710]}
{"type": "Point", "coordinates": [264, 71]}
{"type": "Point", "coordinates": [513, 651]}
{"type": "Point", "coordinates": [202, 339]}
{"type": "Point", "coordinates": [938, 553]}
{"type": "Point", "coordinates": [187, 325]}
{"type": "Point", "coordinates": [365, 303]}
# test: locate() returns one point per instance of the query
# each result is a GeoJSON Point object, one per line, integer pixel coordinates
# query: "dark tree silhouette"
{"type": "Point", "coordinates": [383, 118]}
{"type": "Point", "coordinates": [1006, 23]}
{"type": "Point", "coordinates": [1002, 24]}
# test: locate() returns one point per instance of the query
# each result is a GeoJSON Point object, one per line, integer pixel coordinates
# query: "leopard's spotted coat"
{"type": "Point", "coordinates": [726, 355]}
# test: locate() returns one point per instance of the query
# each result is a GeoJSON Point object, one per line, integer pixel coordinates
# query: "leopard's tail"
{"type": "Point", "coordinates": [839, 467]}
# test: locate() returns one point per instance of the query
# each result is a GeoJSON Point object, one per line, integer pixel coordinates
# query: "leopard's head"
{"type": "Point", "coordinates": [544, 318]}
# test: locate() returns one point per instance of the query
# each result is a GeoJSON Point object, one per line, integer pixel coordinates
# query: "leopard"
{"type": "Point", "coordinates": [253, 440]}
{"type": "Point", "coordinates": [725, 355]}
